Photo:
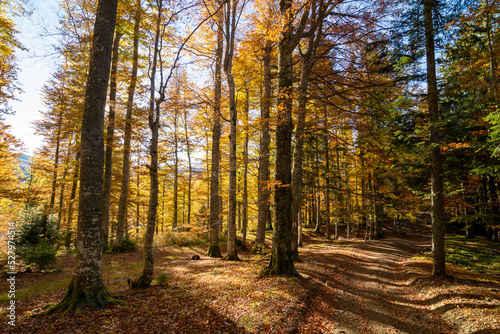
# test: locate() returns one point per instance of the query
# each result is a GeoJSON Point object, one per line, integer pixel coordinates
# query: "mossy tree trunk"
{"type": "Point", "coordinates": [86, 287]}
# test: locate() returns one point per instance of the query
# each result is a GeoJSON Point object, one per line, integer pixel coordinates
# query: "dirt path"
{"type": "Point", "coordinates": [366, 287]}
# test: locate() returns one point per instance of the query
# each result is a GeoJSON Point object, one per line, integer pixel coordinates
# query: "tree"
{"type": "Point", "coordinates": [122, 209]}
{"type": "Point", "coordinates": [214, 220]}
{"type": "Point", "coordinates": [230, 24]}
{"type": "Point", "coordinates": [86, 287]}
{"type": "Point", "coordinates": [108, 155]}
{"type": "Point", "coordinates": [8, 67]}
{"type": "Point", "coordinates": [438, 228]}
{"type": "Point", "coordinates": [154, 125]}
{"type": "Point", "coordinates": [282, 254]}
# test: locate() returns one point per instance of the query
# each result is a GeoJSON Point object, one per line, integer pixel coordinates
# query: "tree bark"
{"type": "Point", "coordinates": [108, 155]}
{"type": "Point", "coordinates": [215, 219]}
{"type": "Point", "coordinates": [231, 7]}
{"type": "Point", "coordinates": [282, 255]}
{"type": "Point", "coordinates": [437, 195]}
{"type": "Point", "coordinates": [86, 287]}
{"type": "Point", "coordinates": [245, 172]}
{"type": "Point", "coordinates": [56, 159]}
{"type": "Point", "coordinates": [154, 125]}
{"type": "Point", "coordinates": [122, 207]}
{"type": "Point", "coordinates": [190, 176]}
{"type": "Point", "coordinates": [263, 182]}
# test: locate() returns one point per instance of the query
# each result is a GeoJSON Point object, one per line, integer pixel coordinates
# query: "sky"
{"type": "Point", "coordinates": [35, 66]}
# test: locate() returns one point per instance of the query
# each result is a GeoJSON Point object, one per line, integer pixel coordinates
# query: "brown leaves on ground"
{"type": "Point", "coordinates": [348, 287]}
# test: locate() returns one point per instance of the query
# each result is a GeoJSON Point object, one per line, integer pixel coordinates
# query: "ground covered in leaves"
{"type": "Point", "coordinates": [347, 286]}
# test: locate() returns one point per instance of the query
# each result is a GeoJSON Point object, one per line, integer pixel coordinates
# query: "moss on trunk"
{"type": "Point", "coordinates": [214, 251]}
{"type": "Point", "coordinates": [76, 299]}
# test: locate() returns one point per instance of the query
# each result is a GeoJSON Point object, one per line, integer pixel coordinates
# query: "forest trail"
{"type": "Point", "coordinates": [371, 287]}
{"type": "Point", "coordinates": [349, 286]}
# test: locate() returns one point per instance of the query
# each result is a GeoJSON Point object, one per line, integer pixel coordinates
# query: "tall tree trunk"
{"type": "Point", "coordinates": [63, 184]}
{"type": "Point", "coordinates": [215, 219]}
{"type": "Point", "coordinates": [437, 195]}
{"type": "Point", "coordinates": [307, 65]}
{"type": "Point", "coordinates": [108, 155]}
{"type": "Point", "coordinates": [282, 255]}
{"type": "Point", "coordinates": [231, 7]}
{"type": "Point", "coordinates": [56, 159]}
{"type": "Point", "coordinates": [190, 175]}
{"type": "Point", "coordinates": [74, 186]}
{"type": "Point", "coordinates": [263, 182]}
{"type": "Point", "coordinates": [154, 125]}
{"type": "Point", "coordinates": [175, 215]}
{"type": "Point", "coordinates": [327, 176]}
{"type": "Point", "coordinates": [122, 206]}
{"type": "Point", "coordinates": [245, 172]}
{"type": "Point", "coordinates": [86, 287]}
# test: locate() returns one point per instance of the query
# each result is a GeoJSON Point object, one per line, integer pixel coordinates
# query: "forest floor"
{"type": "Point", "coordinates": [347, 286]}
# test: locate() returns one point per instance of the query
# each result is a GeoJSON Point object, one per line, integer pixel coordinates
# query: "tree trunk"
{"type": "Point", "coordinates": [263, 182]}
{"type": "Point", "coordinates": [108, 156]}
{"type": "Point", "coordinates": [214, 250]}
{"type": "Point", "coordinates": [232, 253]}
{"type": "Point", "coordinates": [86, 287]}
{"type": "Point", "coordinates": [176, 166]}
{"type": "Point", "coordinates": [122, 207]}
{"type": "Point", "coordinates": [438, 228]}
{"type": "Point", "coordinates": [307, 65]}
{"type": "Point", "coordinates": [282, 255]}
{"type": "Point", "coordinates": [190, 176]}
{"type": "Point", "coordinates": [245, 172]}
{"type": "Point", "coordinates": [56, 160]}
{"type": "Point", "coordinates": [154, 125]}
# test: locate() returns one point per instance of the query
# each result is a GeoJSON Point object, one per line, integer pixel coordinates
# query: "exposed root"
{"type": "Point", "coordinates": [76, 299]}
{"type": "Point", "coordinates": [214, 251]}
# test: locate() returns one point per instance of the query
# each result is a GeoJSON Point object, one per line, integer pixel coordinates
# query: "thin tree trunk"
{"type": "Point", "coordinates": [215, 219]}
{"type": "Point", "coordinates": [190, 176]}
{"type": "Point", "coordinates": [74, 186]}
{"type": "Point", "coordinates": [228, 65]}
{"type": "Point", "coordinates": [122, 207]}
{"type": "Point", "coordinates": [63, 185]}
{"type": "Point", "coordinates": [176, 167]}
{"type": "Point", "coordinates": [263, 182]}
{"type": "Point", "coordinates": [86, 287]}
{"type": "Point", "coordinates": [108, 156]}
{"type": "Point", "coordinates": [245, 171]}
{"type": "Point", "coordinates": [438, 228]}
{"type": "Point", "coordinates": [154, 125]}
{"type": "Point", "coordinates": [56, 160]}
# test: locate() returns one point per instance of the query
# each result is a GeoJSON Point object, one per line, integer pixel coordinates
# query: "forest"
{"type": "Point", "coordinates": [250, 166]}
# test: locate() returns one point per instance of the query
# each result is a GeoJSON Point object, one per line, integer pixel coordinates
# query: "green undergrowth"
{"type": "Point", "coordinates": [476, 255]}
{"type": "Point", "coordinates": [36, 289]}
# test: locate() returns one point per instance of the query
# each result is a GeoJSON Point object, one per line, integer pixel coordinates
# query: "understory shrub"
{"type": "Point", "coordinates": [37, 238]}
{"type": "Point", "coordinates": [195, 236]}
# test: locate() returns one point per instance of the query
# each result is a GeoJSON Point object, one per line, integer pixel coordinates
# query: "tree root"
{"type": "Point", "coordinates": [76, 299]}
{"type": "Point", "coordinates": [214, 251]}
{"type": "Point", "coordinates": [274, 268]}
{"type": "Point", "coordinates": [143, 282]}
{"type": "Point", "coordinates": [233, 257]}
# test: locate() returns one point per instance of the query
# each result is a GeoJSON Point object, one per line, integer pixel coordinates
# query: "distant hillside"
{"type": "Point", "coordinates": [24, 163]}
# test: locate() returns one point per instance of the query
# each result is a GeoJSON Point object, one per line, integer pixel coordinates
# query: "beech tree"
{"type": "Point", "coordinates": [282, 257]}
{"type": "Point", "coordinates": [86, 287]}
